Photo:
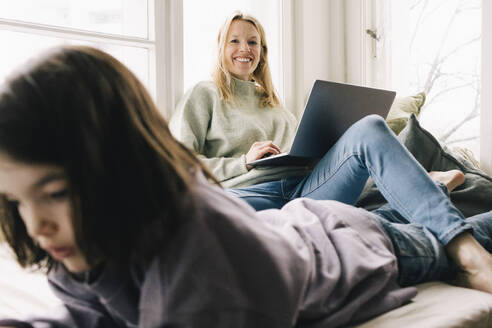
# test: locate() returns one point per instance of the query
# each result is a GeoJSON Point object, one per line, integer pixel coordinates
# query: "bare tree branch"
{"type": "Point", "coordinates": [475, 112]}
{"type": "Point", "coordinates": [419, 20]}
{"type": "Point", "coordinates": [462, 140]}
{"type": "Point", "coordinates": [436, 77]}
{"type": "Point", "coordinates": [460, 47]}
{"type": "Point", "coordinates": [444, 91]}
{"type": "Point", "coordinates": [415, 4]}
{"type": "Point", "coordinates": [444, 137]}
{"type": "Point", "coordinates": [435, 67]}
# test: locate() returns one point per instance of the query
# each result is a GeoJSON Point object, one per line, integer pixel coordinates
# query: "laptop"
{"type": "Point", "coordinates": [330, 110]}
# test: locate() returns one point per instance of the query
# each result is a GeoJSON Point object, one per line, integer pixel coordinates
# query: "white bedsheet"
{"type": "Point", "coordinates": [22, 293]}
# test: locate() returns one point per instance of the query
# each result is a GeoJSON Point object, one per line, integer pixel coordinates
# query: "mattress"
{"type": "Point", "coordinates": [439, 305]}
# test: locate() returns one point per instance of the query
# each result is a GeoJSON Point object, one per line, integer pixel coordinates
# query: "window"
{"type": "Point", "coordinates": [486, 101]}
{"type": "Point", "coordinates": [436, 48]}
{"type": "Point", "coordinates": [119, 27]}
{"type": "Point", "coordinates": [202, 21]}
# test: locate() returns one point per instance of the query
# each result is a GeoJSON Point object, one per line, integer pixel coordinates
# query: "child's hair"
{"type": "Point", "coordinates": [261, 75]}
{"type": "Point", "coordinates": [81, 109]}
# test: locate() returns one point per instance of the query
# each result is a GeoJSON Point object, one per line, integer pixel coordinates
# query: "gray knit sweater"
{"type": "Point", "coordinates": [221, 133]}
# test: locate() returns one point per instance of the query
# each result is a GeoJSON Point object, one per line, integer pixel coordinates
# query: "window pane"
{"type": "Point", "coordinates": [123, 17]}
{"type": "Point", "coordinates": [18, 47]}
{"type": "Point", "coordinates": [444, 42]}
{"type": "Point", "coordinates": [202, 21]}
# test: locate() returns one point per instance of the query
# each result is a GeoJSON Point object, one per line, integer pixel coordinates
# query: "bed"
{"type": "Point", "coordinates": [437, 304]}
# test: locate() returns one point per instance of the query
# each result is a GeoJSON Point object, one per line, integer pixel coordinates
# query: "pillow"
{"type": "Point", "coordinates": [471, 198]}
{"type": "Point", "coordinates": [401, 110]}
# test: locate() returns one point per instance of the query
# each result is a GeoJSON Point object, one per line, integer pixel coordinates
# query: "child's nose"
{"type": "Point", "coordinates": [37, 222]}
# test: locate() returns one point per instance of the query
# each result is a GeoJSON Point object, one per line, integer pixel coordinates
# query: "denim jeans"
{"type": "Point", "coordinates": [368, 148]}
{"type": "Point", "coordinates": [421, 257]}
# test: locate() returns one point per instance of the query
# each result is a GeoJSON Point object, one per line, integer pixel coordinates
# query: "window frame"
{"type": "Point", "coordinates": [162, 28]}
{"type": "Point", "coordinates": [167, 58]}
{"type": "Point", "coordinates": [486, 98]}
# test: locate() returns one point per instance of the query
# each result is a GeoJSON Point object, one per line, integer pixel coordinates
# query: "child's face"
{"type": "Point", "coordinates": [42, 197]}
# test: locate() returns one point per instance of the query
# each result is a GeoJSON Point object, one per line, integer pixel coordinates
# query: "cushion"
{"type": "Point", "coordinates": [471, 198]}
{"type": "Point", "coordinates": [401, 110]}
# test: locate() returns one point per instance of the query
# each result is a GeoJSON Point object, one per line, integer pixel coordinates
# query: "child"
{"type": "Point", "coordinates": [95, 190]}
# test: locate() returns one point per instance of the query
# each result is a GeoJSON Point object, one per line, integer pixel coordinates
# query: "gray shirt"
{"type": "Point", "coordinates": [310, 264]}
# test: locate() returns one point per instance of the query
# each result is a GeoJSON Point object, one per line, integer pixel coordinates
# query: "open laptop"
{"type": "Point", "coordinates": [330, 110]}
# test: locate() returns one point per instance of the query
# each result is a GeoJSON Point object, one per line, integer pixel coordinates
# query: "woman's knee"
{"type": "Point", "coordinates": [373, 130]}
{"type": "Point", "coordinates": [368, 134]}
{"type": "Point", "coordinates": [373, 123]}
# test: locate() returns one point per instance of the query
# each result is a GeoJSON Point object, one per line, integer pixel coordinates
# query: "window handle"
{"type": "Point", "coordinates": [373, 34]}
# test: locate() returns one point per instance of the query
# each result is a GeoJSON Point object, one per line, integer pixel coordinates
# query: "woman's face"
{"type": "Point", "coordinates": [242, 49]}
{"type": "Point", "coordinates": [41, 194]}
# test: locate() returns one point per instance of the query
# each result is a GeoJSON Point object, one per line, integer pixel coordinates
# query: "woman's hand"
{"type": "Point", "coordinates": [259, 150]}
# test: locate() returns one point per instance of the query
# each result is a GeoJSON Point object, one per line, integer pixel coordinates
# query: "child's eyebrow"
{"type": "Point", "coordinates": [50, 177]}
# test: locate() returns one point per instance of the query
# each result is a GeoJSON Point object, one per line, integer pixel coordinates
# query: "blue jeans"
{"type": "Point", "coordinates": [421, 257]}
{"type": "Point", "coordinates": [368, 148]}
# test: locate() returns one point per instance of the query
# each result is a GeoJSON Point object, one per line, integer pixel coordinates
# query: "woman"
{"type": "Point", "coordinates": [237, 118]}
{"type": "Point", "coordinates": [94, 189]}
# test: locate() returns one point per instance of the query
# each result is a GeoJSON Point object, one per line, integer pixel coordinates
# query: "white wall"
{"type": "Point", "coordinates": [327, 35]}
{"type": "Point", "coordinates": [312, 47]}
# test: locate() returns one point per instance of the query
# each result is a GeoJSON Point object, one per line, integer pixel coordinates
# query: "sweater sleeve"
{"type": "Point", "coordinates": [190, 124]}
{"type": "Point", "coordinates": [78, 310]}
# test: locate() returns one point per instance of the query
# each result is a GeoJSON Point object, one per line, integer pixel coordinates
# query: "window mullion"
{"type": "Point", "coordinates": [168, 61]}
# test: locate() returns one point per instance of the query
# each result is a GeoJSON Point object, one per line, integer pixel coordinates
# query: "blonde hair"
{"type": "Point", "coordinates": [262, 76]}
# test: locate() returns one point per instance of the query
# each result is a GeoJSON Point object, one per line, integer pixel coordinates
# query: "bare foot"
{"type": "Point", "coordinates": [474, 262]}
{"type": "Point", "coordinates": [451, 179]}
